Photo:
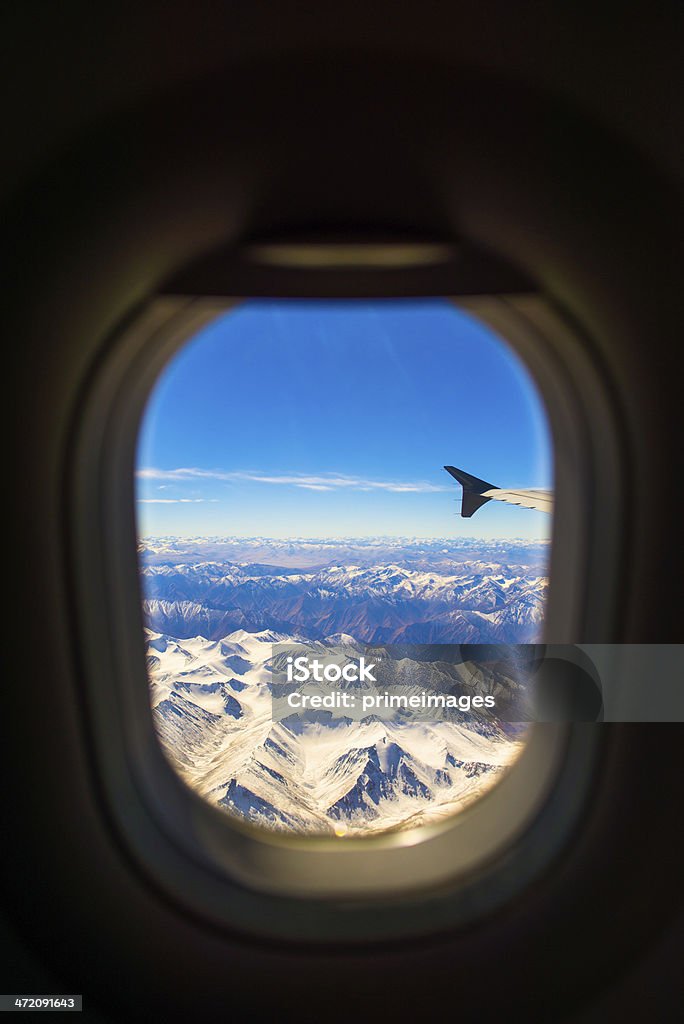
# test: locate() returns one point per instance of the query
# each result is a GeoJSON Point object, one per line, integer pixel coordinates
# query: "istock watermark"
{"type": "Point", "coordinates": [303, 669]}
{"type": "Point", "coordinates": [514, 683]}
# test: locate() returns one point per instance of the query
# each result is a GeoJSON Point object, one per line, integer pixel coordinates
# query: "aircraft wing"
{"type": "Point", "coordinates": [477, 492]}
{"type": "Point", "coordinates": [539, 499]}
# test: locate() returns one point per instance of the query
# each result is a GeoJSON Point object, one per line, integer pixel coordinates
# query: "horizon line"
{"type": "Point", "coordinates": [339, 538]}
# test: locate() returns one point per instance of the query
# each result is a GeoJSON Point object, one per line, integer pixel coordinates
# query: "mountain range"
{"type": "Point", "coordinates": [214, 608]}
{"type": "Point", "coordinates": [212, 710]}
{"type": "Point", "coordinates": [472, 602]}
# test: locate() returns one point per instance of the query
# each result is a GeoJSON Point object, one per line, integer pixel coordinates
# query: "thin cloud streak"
{"type": "Point", "coordinates": [311, 483]}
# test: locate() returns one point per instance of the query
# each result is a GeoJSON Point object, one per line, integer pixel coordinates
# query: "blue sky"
{"type": "Point", "coordinates": [292, 418]}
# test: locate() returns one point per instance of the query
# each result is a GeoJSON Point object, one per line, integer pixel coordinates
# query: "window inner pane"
{"type": "Point", "coordinates": [291, 491]}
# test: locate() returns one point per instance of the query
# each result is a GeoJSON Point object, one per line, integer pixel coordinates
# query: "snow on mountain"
{"type": "Point", "coordinates": [212, 709]}
{"type": "Point", "coordinates": [215, 607]}
{"type": "Point", "coordinates": [479, 603]}
{"type": "Point", "coordinates": [436, 553]}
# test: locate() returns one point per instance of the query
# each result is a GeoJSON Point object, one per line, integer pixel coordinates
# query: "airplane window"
{"type": "Point", "coordinates": [353, 483]}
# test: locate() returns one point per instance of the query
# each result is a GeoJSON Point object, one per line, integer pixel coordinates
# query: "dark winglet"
{"type": "Point", "coordinates": [472, 490]}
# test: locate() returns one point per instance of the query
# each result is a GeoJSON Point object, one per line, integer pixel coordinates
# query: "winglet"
{"type": "Point", "coordinates": [473, 489]}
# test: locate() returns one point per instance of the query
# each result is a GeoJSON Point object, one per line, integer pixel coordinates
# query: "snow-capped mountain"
{"type": "Point", "coordinates": [433, 553]}
{"type": "Point", "coordinates": [215, 607]}
{"type": "Point", "coordinates": [474, 602]}
{"type": "Point", "coordinates": [212, 709]}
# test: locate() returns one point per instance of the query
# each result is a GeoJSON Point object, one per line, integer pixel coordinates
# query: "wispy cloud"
{"type": "Point", "coordinates": [329, 482]}
{"type": "Point", "coordinates": [173, 501]}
